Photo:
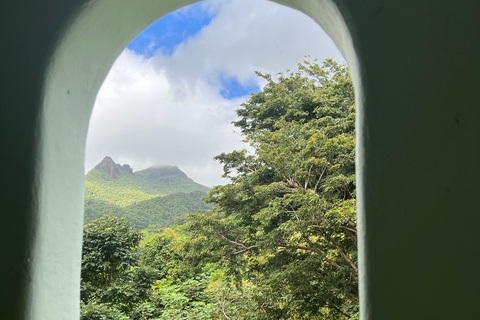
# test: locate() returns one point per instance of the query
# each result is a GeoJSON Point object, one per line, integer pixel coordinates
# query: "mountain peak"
{"type": "Point", "coordinates": [107, 161]}
{"type": "Point", "coordinates": [162, 171]}
{"type": "Point", "coordinates": [109, 167]}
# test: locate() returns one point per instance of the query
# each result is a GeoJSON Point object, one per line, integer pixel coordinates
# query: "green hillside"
{"type": "Point", "coordinates": [121, 186]}
{"type": "Point", "coordinates": [95, 209]}
{"type": "Point", "coordinates": [157, 195]}
{"type": "Point", "coordinates": [164, 210]}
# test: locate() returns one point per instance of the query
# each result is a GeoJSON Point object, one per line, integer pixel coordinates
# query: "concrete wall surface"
{"type": "Point", "coordinates": [417, 75]}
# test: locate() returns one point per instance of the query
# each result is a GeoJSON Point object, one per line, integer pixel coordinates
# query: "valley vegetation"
{"type": "Point", "coordinates": [278, 242]}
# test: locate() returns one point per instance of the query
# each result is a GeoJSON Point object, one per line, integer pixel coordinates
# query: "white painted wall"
{"type": "Point", "coordinates": [417, 73]}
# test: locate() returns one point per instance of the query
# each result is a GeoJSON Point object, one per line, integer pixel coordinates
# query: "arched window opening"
{"type": "Point", "coordinates": [163, 112]}
{"type": "Point", "coordinates": [416, 72]}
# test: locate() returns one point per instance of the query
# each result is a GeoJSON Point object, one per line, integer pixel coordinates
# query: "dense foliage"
{"type": "Point", "coordinates": [287, 221]}
{"type": "Point", "coordinates": [124, 277]}
{"type": "Point", "coordinates": [280, 240]}
{"type": "Point", "coordinates": [112, 283]}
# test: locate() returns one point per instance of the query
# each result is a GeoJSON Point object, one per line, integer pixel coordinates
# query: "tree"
{"type": "Point", "coordinates": [287, 220]}
{"type": "Point", "coordinates": [164, 253]}
{"type": "Point", "coordinates": [108, 249]}
{"type": "Point", "coordinates": [113, 285]}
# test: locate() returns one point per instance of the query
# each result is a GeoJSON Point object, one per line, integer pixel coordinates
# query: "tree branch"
{"type": "Point", "coordinates": [333, 263]}
{"type": "Point", "coordinates": [308, 178]}
{"type": "Point", "coordinates": [319, 179]}
{"type": "Point", "coordinates": [349, 231]}
{"type": "Point", "coordinates": [347, 228]}
{"type": "Point", "coordinates": [223, 308]}
{"type": "Point", "coordinates": [338, 309]}
{"type": "Point", "coordinates": [245, 248]}
{"type": "Point", "coordinates": [350, 262]}
{"type": "Point", "coordinates": [294, 184]}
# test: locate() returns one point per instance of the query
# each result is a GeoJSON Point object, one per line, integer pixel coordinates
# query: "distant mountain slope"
{"type": "Point", "coordinates": [95, 209]}
{"type": "Point", "coordinates": [160, 211]}
{"type": "Point", "coordinates": [164, 210]}
{"type": "Point", "coordinates": [166, 179]}
{"type": "Point", "coordinates": [157, 195]}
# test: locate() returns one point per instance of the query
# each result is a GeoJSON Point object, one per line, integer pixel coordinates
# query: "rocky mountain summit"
{"type": "Point", "coordinates": [109, 167]}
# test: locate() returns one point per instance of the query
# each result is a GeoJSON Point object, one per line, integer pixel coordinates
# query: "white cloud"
{"type": "Point", "coordinates": [167, 109]}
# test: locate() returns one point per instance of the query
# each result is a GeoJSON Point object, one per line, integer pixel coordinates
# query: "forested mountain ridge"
{"type": "Point", "coordinates": [157, 195]}
{"type": "Point", "coordinates": [111, 182]}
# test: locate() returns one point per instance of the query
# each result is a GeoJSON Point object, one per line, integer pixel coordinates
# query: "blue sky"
{"type": "Point", "coordinates": [171, 30]}
{"type": "Point", "coordinates": [176, 28]}
{"type": "Point", "coordinates": [171, 95]}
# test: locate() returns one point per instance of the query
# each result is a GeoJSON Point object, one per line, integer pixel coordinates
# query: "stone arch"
{"type": "Point", "coordinates": [415, 66]}
{"type": "Point", "coordinates": [87, 49]}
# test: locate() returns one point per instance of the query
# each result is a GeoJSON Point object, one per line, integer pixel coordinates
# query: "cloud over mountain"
{"type": "Point", "coordinates": [170, 108]}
